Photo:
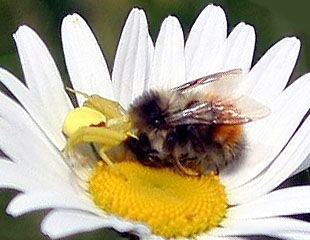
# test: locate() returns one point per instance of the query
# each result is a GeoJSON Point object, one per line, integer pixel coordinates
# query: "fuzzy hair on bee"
{"type": "Point", "coordinates": [196, 127]}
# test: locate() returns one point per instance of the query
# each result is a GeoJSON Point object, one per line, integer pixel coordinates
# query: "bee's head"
{"type": "Point", "coordinates": [149, 111]}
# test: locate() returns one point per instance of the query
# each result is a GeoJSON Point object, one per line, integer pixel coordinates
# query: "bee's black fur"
{"type": "Point", "coordinates": [148, 108]}
{"type": "Point", "coordinates": [198, 136]}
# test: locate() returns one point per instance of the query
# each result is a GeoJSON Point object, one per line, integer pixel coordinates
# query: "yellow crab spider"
{"type": "Point", "coordinates": [100, 121]}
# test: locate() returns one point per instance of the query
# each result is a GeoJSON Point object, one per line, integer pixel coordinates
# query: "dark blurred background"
{"type": "Point", "coordinates": [272, 20]}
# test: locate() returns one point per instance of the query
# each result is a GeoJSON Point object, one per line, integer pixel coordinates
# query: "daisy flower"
{"type": "Point", "coordinates": [155, 204]}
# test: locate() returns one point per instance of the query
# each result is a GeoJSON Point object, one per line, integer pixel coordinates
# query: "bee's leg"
{"type": "Point", "coordinates": [184, 170]}
{"type": "Point", "coordinates": [200, 169]}
{"type": "Point", "coordinates": [195, 138]}
{"type": "Point", "coordinates": [154, 159]}
{"type": "Point", "coordinates": [141, 148]}
{"type": "Point", "coordinates": [170, 141]}
{"type": "Point", "coordinates": [215, 169]}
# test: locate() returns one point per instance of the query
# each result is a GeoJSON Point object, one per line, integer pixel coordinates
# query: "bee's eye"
{"type": "Point", "coordinates": [152, 113]}
{"type": "Point", "coordinates": [157, 122]}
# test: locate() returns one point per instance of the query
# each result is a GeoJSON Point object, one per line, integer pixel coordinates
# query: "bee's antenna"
{"type": "Point", "coordinates": [78, 92]}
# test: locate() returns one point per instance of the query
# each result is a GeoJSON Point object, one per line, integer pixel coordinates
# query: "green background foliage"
{"type": "Point", "coordinates": [272, 19]}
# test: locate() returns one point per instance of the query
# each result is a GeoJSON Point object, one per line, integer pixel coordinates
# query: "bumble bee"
{"type": "Point", "coordinates": [196, 126]}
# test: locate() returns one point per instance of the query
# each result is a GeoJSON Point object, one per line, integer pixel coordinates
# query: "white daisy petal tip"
{"type": "Point", "coordinates": [248, 28]}
{"type": "Point", "coordinates": [136, 13]}
{"type": "Point", "coordinates": [143, 16]}
{"type": "Point", "coordinates": [62, 223]}
{"type": "Point", "coordinates": [18, 208]}
{"type": "Point", "coordinates": [76, 19]}
{"type": "Point", "coordinates": [173, 20]}
{"type": "Point", "coordinates": [292, 42]}
{"type": "Point", "coordinates": [294, 39]}
{"type": "Point", "coordinates": [18, 30]}
{"type": "Point", "coordinates": [132, 60]}
{"type": "Point", "coordinates": [85, 62]}
{"type": "Point", "coordinates": [22, 28]}
{"type": "Point", "coordinates": [11, 210]}
{"type": "Point", "coordinates": [238, 50]}
{"type": "Point", "coordinates": [168, 66]}
{"type": "Point", "coordinates": [297, 43]}
{"type": "Point", "coordinates": [205, 41]}
{"type": "Point", "coordinates": [22, 32]}
{"type": "Point", "coordinates": [212, 9]}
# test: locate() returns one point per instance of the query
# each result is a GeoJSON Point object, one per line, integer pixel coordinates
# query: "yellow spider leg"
{"type": "Point", "coordinates": [105, 158]}
{"type": "Point", "coordinates": [103, 135]}
{"type": "Point", "coordinates": [119, 124]}
{"type": "Point", "coordinates": [85, 95]}
{"type": "Point", "coordinates": [130, 134]}
{"type": "Point", "coordinates": [109, 108]}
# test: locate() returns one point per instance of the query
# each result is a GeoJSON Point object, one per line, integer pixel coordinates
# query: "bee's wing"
{"type": "Point", "coordinates": [221, 82]}
{"type": "Point", "coordinates": [236, 110]}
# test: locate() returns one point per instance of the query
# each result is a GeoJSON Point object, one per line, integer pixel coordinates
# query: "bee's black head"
{"type": "Point", "coordinates": [148, 110]}
{"type": "Point", "coordinates": [152, 113]}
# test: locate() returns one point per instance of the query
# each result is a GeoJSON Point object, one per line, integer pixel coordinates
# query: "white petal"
{"type": "Point", "coordinates": [295, 235]}
{"type": "Point", "coordinates": [267, 137]}
{"type": "Point", "coordinates": [42, 77]}
{"type": "Point", "coordinates": [27, 202]}
{"type": "Point", "coordinates": [269, 76]}
{"type": "Point", "coordinates": [85, 62]}
{"type": "Point", "coordinates": [132, 61]}
{"type": "Point", "coordinates": [29, 147]}
{"type": "Point", "coordinates": [267, 226]}
{"type": "Point", "coordinates": [210, 237]}
{"type": "Point", "coordinates": [283, 166]}
{"type": "Point", "coordinates": [62, 223]}
{"type": "Point", "coordinates": [149, 62]}
{"type": "Point", "coordinates": [14, 114]}
{"type": "Point", "coordinates": [290, 201]}
{"type": "Point", "coordinates": [204, 42]}
{"type": "Point", "coordinates": [237, 52]}
{"type": "Point", "coordinates": [24, 178]}
{"type": "Point", "coordinates": [14, 177]}
{"type": "Point", "coordinates": [27, 99]}
{"type": "Point", "coordinates": [153, 237]}
{"type": "Point", "coordinates": [168, 68]}
{"type": "Point", "coordinates": [305, 164]}
{"type": "Point", "coordinates": [207, 236]}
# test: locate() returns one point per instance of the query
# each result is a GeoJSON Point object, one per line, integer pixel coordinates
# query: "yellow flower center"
{"type": "Point", "coordinates": [171, 204]}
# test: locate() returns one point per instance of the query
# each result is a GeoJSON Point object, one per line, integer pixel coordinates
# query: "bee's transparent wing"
{"type": "Point", "coordinates": [220, 83]}
{"type": "Point", "coordinates": [237, 110]}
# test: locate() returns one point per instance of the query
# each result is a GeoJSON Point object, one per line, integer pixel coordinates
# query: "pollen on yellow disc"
{"type": "Point", "coordinates": [81, 117]}
{"type": "Point", "coordinates": [172, 205]}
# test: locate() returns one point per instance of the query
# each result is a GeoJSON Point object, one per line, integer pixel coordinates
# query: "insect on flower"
{"type": "Point", "coordinates": [196, 127]}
